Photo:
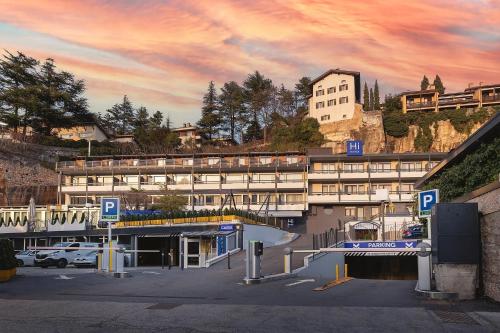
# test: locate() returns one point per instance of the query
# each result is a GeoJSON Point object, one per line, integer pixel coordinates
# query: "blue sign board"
{"type": "Point", "coordinates": [381, 245]}
{"type": "Point", "coordinates": [354, 148]}
{"type": "Point", "coordinates": [426, 200]}
{"type": "Point", "coordinates": [227, 227]}
{"type": "Point", "coordinates": [110, 209]}
{"type": "Point", "coordinates": [221, 245]}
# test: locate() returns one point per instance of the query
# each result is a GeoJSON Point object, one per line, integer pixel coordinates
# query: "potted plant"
{"type": "Point", "coordinates": [8, 261]}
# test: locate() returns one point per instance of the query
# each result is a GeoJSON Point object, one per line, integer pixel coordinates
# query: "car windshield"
{"type": "Point", "coordinates": [23, 253]}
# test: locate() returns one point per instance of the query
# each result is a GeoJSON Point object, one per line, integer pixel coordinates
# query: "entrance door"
{"type": "Point", "coordinates": [192, 252]}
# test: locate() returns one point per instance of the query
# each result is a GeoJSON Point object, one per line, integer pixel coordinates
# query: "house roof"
{"type": "Point", "coordinates": [418, 92]}
{"type": "Point", "coordinates": [334, 71]}
{"type": "Point", "coordinates": [496, 85]}
{"type": "Point", "coordinates": [485, 133]}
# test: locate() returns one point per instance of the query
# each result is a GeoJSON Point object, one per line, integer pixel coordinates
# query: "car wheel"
{"type": "Point", "coordinates": [20, 263]}
{"type": "Point", "coordinates": [62, 263]}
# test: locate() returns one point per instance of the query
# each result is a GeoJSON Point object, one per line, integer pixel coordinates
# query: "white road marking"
{"type": "Point", "coordinates": [151, 273]}
{"type": "Point", "coordinates": [63, 277]}
{"type": "Point", "coordinates": [299, 282]}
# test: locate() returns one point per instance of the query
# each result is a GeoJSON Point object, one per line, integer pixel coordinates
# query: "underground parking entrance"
{"type": "Point", "coordinates": [382, 267]}
{"type": "Point", "coordinates": [167, 244]}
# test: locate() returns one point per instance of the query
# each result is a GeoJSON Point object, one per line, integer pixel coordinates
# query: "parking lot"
{"type": "Point", "coordinates": [215, 300]}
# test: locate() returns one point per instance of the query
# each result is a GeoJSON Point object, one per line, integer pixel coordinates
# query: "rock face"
{"type": "Point", "coordinates": [368, 127]}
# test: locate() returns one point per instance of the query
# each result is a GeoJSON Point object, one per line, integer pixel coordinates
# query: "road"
{"type": "Point", "coordinates": [215, 300]}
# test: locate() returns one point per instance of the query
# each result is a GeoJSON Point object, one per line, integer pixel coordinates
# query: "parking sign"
{"type": "Point", "coordinates": [110, 209]}
{"type": "Point", "coordinates": [426, 200]}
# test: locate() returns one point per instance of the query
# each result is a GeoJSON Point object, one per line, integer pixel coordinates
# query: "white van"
{"type": "Point", "coordinates": [61, 258]}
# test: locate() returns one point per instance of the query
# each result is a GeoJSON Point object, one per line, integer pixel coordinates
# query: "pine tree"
{"type": "Point", "coordinates": [303, 90]}
{"type": "Point", "coordinates": [376, 97]}
{"type": "Point", "coordinates": [232, 111]}
{"type": "Point", "coordinates": [425, 83]}
{"type": "Point", "coordinates": [366, 98]}
{"type": "Point", "coordinates": [438, 85]}
{"type": "Point", "coordinates": [121, 119]}
{"type": "Point", "coordinates": [257, 93]}
{"type": "Point", "coordinates": [210, 120]}
{"type": "Point", "coordinates": [371, 100]}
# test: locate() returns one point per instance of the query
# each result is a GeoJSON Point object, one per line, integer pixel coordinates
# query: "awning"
{"type": "Point", "coordinates": [365, 226]}
{"type": "Point", "coordinates": [207, 233]}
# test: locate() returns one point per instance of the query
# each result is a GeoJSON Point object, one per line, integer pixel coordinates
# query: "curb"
{"type": "Point", "coordinates": [270, 278]}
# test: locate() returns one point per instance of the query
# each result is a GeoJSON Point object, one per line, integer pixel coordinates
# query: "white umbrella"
{"type": "Point", "coordinates": [31, 215]}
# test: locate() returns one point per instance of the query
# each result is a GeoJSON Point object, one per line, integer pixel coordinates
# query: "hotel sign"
{"type": "Point", "coordinates": [354, 148]}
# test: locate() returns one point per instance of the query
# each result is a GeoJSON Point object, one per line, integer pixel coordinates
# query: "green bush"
{"type": "Point", "coordinates": [7, 255]}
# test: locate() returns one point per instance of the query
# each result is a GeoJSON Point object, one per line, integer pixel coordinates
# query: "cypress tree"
{"type": "Point", "coordinates": [366, 98]}
{"type": "Point", "coordinates": [376, 97]}
{"type": "Point", "coordinates": [438, 84]}
{"type": "Point", "coordinates": [210, 120]}
{"type": "Point", "coordinates": [371, 100]}
{"type": "Point", "coordinates": [425, 83]}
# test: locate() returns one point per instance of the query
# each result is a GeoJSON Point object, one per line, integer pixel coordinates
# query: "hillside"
{"type": "Point", "coordinates": [440, 135]}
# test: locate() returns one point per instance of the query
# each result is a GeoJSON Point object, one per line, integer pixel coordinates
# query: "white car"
{"type": "Point", "coordinates": [61, 258]}
{"type": "Point", "coordinates": [85, 258]}
{"type": "Point", "coordinates": [26, 258]}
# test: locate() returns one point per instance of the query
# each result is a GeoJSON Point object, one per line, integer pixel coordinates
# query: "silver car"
{"type": "Point", "coordinates": [85, 259]}
{"type": "Point", "coordinates": [26, 258]}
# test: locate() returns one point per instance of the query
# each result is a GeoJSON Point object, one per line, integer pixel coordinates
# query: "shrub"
{"type": "Point", "coordinates": [7, 255]}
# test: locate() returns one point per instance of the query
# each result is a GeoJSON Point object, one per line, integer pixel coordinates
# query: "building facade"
{"type": "Point", "coordinates": [190, 135]}
{"type": "Point", "coordinates": [432, 100]}
{"type": "Point", "coordinates": [334, 96]}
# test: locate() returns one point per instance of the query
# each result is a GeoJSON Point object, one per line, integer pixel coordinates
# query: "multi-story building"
{"type": "Point", "coordinates": [274, 183]}
{"type": "Point", "coordinates": [335, 94]}
{"type": "Point", "coordinates": [342, 188]}
{"type": "Point", "coordinates": [432, 100]}
{"type": "Point", "coordinates": [190, 135]}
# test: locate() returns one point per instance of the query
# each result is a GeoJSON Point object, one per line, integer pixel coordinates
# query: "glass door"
{"type": "Point", "coordinates": [192, 252]}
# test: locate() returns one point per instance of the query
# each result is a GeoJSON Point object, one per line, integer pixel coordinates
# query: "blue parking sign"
{"type": "Point", "coordinates": [110, 209]}
{"type": "Point", "coordinates": [426, 200]}
{"type": "Point", "coordinates": [354, 148]}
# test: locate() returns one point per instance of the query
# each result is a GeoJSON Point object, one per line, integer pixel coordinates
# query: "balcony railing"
{"type": "Point", "coordinates": [184, 163]}
{"type": "Point", "coordinates": [372, 170]}
{"type": "Point", "coordinates": [457, 101]}
{"type": "Point", "coordinates": [420, 105]}
{"type": "Point", "coordinates": [491, 98]}
{"type": "Point", "coordinates": [373, 192]}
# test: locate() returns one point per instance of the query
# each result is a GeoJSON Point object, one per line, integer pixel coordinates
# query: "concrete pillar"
{"type": "Point", "coordinates": [134, 246]}
{"type": "Point", "coordinates": [288, 260]}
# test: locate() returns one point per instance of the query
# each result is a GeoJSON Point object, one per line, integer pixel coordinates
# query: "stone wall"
{"type": "Point", "coordinates": [489, 207]}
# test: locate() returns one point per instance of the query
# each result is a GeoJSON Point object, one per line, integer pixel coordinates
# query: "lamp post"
{"type": "Point", "coordinates": [88, 205]}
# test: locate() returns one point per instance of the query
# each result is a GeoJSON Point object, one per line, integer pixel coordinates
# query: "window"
{"type": "Point", "coordinates": [386, 186]}
{"type": "Point", "coordinates": [292, 160]}
{"type": "Point", "coordinates": [343, 100]}
{"type": "Point", "coordinates": [353, 167]}
{"type": "Point", "coordinates": [213, 161]}
{"type": "Point", "coordinates": [354, 189]}
{"type": "Point", "coordinates": [325, 117]}
{"type": "Point", "coordinates": [343, 87]}
{"type": "Point", "coordinates": [361, 212]}
{"type": "Point", "coordinates": [320, 105]}
{"type": "Point", "coordinates": [350, 211]}
{"type": "Point", "coordinates": [328, 167]}
{"type": "Point", "coordinates": [265, 160]}
{"type": "Point", "coordinates": [328, 188]}
{"type": "Point", "coordinates": [407, 188]}
{"type": "Point", "coordinates": [187, 161]}
{"type": "Point", "coordinates": [411, 166]}
{"type": "Point", "coordinates": [210, 200]}
{"type": "Point", "coordinates": [332, 102]}
{"type": "Point", "coordinates": [331, 90]}
{"type": "Point", "coordinates": [236, 178]}
{"type": "Point", "coordinates": [374, 211]}
{"type": "Point", "coordinates": [263, 177]}
{"type": "Point", "coordinates": [380, 167]}
{"type": "Point", "coordinates": [294, 198]}
{"type": "Point", "coordinates": [320, 92]}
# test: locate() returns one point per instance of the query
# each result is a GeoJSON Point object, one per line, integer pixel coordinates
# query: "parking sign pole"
{"type": "Point", "coordinates": [110, 267]}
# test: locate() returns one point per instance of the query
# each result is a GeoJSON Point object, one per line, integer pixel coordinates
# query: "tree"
{"type": "Point", "coordinates": [210, 120]}
{"type": "Point", "coordinates": [366, 98]}
{"type": "Point", "coordinates": [257, 93]}
{"type": "Point", "coordinates": [157, 119]}
{"type": "Point", "coordinates": [371, 100]}
{"type": "Point", "coordinates": [425, 83]}
{"type": "Point", "coordinates": [438, 85]}
{"type": "Point", "coordinates": [232, 109]}
{"type": "Point", "coordinates": [376, 97]}
{"type": "Point", "coordinates": [171, 201]}
{"type": "Point", "coordinates": [299, 135]}
{"type": "Point", "coordinates": [121, 117]}
{"type": "Point", "coordinates": [303, 89]}
{"type": "Point", "coordinates": [141, 118]}
{"type": "Point", "coordinates": [285, 102]}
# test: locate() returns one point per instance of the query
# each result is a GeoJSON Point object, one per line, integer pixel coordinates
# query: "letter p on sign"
{"type": "Point", "coordinates": [426, 200]}
{"type": "Point", "coordinates": [110, 209]}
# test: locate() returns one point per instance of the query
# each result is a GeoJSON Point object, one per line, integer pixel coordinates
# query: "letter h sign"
{"type": "Point", "coordinates": [354, 148]}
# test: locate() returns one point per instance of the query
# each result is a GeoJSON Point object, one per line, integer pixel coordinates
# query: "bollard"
{"type": "Point", "coordinates": [229, 260]}
{"type": "Point", "coordinates": [288, 261]}
{"type": "Point", "coordinates": [345, 270]}
{"type": "Point", "coordinates": [337, 272]}
{"type": "Point", "coordinates": [170, 259]}
{"type": "Point", "coordinates": [162, 259]}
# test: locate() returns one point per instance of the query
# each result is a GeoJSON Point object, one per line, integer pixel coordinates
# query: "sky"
{"type": "Point", "coordinates": [162, 54]}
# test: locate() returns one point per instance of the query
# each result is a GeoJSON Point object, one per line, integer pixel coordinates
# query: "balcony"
{"type": "Point", "coordinates": [421, 105]}
{"type": "Point", "coordinates": [491, 98]}
{"type": "Point", "coordinates": [346, 197]}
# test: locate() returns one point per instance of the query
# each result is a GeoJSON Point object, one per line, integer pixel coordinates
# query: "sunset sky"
{"type": "Point", "coordinates": [162, 54]}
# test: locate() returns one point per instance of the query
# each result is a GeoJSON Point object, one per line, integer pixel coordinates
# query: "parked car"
{"type": "Point", "coordinates": [85, 258]}
{"type": "Point", "coordinates": [414, 231]}
{"type": "Point", "coordinates": [60, 258]}
{"type": "Point", "coordinates": [26, 258]}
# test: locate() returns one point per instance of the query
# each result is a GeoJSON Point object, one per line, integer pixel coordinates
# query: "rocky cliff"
{"type": "Point", "coordinates": [368, 127]}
